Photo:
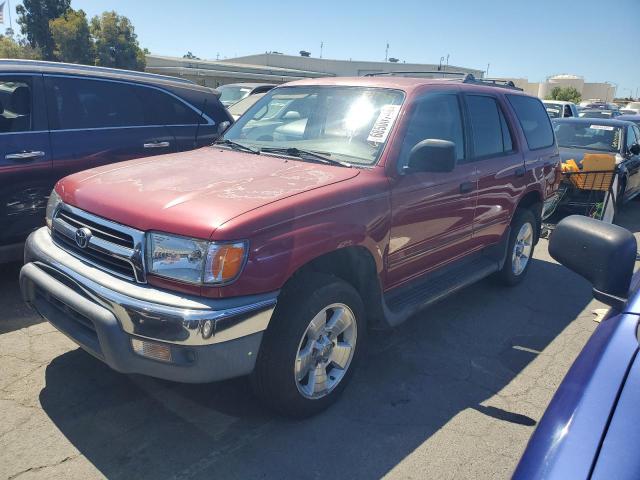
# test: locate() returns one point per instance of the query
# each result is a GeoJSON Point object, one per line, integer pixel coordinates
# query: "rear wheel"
{"type": "Point", "coordinates": [311, 348]}
{"type": "Point", "coordinates": [520, 248]}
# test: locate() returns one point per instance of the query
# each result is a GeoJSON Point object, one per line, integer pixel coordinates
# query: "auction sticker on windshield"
{"type": "Point", "coordinates": [601, 127]}
{"type": "Point", "coordinates": [381, 128]}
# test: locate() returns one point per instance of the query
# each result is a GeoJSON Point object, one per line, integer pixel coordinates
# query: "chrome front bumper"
{"type": "Point", "coordinates": [103, 313]}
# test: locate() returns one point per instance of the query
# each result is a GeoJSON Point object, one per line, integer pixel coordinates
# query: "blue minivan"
{"type": "Point", "coordinates": [57, 119]}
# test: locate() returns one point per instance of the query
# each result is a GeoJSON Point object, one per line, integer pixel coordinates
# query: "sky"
{"type": "Point", "coordinates": [597, 39]}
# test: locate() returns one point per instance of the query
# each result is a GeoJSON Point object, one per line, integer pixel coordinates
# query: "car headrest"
{"type": "Point", "coordinates": [21, 101]}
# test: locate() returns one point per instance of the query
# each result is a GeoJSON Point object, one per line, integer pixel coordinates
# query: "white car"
{"type": "Point", "coordinates": [560, 109]}
{"type": "Point", "coordinates": [635, 106]}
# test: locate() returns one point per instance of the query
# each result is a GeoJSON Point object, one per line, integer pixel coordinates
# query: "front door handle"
{"type": "Point", "coordinates": [24, 155]}
{"type": "Point", "coordinates": [156, 145]}
{"type": "Point", "coordinates": [466, 187]}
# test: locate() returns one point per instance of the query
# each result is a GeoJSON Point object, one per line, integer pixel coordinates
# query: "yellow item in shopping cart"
{"type": "Point", "coordinates": [597, 172]}
{"type": "Point", "coordinates": [570, 166]}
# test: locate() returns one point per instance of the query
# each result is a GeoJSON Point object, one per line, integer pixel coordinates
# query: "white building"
{"type": "Point", "coordinates": [278, 68]}
{"type": "Point", "coordinates": [601, 91]}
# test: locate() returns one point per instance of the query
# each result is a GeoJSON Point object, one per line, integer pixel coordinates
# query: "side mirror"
{"type": "Point", "coordinates": [602, 253]}
{"type": "Point", "coordinates": [635, 149]}
{"type": "Point", "coordinates": [432, 155]}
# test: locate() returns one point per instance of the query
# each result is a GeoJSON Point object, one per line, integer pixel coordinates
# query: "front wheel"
{"type": "Point", "coordinates": [311, 348]}
{"type": "Point", "coordinates": [520, 248]}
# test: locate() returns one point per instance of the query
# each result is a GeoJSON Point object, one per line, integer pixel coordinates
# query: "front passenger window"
{"type": "Point", "coordinates": [435, 117]}
{"type": "Point", "coordinates": [15, 105]}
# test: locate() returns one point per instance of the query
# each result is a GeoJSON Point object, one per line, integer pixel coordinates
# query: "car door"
{"type": "Point", "coordinates": [25, 157]}
{"type": "Point", "coordinates": [499, 164]}
{"type": "Point", "coordinates": [97, 121]}
{"type": "Point", "coordinates": [431, 213]}
{"type": "Point", "coordinates": [632, 162]}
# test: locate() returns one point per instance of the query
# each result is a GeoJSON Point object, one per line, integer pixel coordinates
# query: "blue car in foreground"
{"type": "Point", "coordinates": [591, 428]}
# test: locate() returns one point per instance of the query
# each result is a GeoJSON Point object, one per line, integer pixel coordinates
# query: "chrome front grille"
{"type": "Point", "coordinates": [112, 247]}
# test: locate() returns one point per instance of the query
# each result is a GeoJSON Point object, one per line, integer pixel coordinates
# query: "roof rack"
{"type": "Point", "coordinates": [492, 82]}
{"type": "Point", "coordinates": [412, 73]}
{"type": "Point", "coordinates": [463, 77]}
{"type": "Point", "coordinates": [92, 68]}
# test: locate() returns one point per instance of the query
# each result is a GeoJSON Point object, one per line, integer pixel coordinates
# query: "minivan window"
{"type": "Point", "coordinates": [15, 104]}
{"type": "Point", "coordinates": [86, 103]}
{"type": "Point", "coordinates": [534, 121]}
{"type": "Point", "coordinates": [165, 109]}
{"type": "Point", "coordinates": [435, 117]}
{"type": "Point", "coordinates": [490, 133]}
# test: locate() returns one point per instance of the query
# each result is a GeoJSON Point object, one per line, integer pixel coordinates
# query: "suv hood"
{"type": "Point", "coordinates": [193, 193]}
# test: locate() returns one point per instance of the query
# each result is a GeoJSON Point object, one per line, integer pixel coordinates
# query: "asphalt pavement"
{"type": "Point", "coordinates": [454, 393]}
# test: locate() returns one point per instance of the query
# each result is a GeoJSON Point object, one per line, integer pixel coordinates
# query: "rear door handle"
{"type": "Point", "coordinates": [466, 187]}
{"type": "Point", "coordinates": [24, 155]}
{"type": "Point", "coordinates": [520, 172]}
{"type": "Point", "coordinates": [156, 145]}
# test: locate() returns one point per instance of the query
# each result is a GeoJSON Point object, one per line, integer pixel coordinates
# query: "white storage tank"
{"type": "Point", "coordinates": [562, 81]}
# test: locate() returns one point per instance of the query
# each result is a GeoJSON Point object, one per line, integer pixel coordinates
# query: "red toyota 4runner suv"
{"type": "Point", "coordinates": [330, 207]}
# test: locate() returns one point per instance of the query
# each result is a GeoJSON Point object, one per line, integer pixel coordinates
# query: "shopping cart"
{"type": "Point", "coordinates": [589, 193]}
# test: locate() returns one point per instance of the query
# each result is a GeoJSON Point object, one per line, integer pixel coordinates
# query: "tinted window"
{"type": "Point", "coordinates": [165, 109]}
{"type": "Point", "coordinates": [533, 120]}
{"type": "Point", "coordinates": [490, 133]}
{"type": "Point", "coordinates": [83, 103]}
{"type": "Point", "coordinates": [15, 104]}
{"type": "Point", "coordinates": [435, 117]}
{"type": "Point", "coordinates": [631, 137]}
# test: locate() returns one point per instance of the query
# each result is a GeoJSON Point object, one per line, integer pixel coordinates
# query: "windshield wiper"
{"type": "Point", "coordinates": [306, 154]}
{"type": "Point", "coordinates": [236, 146]}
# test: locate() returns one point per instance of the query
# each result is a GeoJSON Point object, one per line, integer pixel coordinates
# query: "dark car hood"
{"type": "Point", "coordinates": [193, 193]}
{"type": "Point", "coordinates": [577, 154]}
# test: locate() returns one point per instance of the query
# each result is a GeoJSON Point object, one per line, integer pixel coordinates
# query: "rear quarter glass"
{"type": "Point", "coordinates": [534, 121]}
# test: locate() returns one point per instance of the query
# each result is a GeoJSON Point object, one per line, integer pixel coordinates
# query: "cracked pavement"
{"type": "Point", "coordinates": [453, 393]}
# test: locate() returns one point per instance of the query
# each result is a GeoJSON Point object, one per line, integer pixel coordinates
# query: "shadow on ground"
{"type": "Point", "coordinates": [414, 380]}
{"type": "Point", "coordinates": [15, 314]}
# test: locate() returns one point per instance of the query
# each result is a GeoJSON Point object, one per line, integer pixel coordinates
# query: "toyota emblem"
{"type": "Point", "coordinates": [83, 235]}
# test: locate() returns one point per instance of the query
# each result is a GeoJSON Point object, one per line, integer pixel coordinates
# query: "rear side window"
{"type": "Point", "coordinates": [435, 117]}
{"type": "Point", "coordinates": [84, 103]}
{"type": "Point", "coordinates": [165, 109]}
{"type": "Point", "coordinates": [534, 121]}
{"type": "Point", "coordinates": [15, 104]}
{"type": "Point", "coordinates": [490, 132]}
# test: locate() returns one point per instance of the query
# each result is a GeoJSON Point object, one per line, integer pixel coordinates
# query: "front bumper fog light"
{"type": "Point", "coordinates": [156, 351]}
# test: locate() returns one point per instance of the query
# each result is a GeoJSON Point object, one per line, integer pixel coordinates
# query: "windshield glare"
{"type": "Point", "coordinates": [588, 136]}
{"type": "Point", "coordinates": [349, 124]}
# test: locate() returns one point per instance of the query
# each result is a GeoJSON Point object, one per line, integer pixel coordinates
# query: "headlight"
{"type": "Point", "coordinates": [194, 261]}
{"type": "Point", "coordinates": [52, 204]}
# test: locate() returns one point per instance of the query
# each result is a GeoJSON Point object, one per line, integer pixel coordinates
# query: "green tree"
{"type": "Point", "coordinates": [115, 41]}
{"type": "Point", "coordinates": [72, 39]}
{"type": "Point", "coordinates": [33, 18]}
{"type": "Point", "coordinates": [11, 48]}
{"type": "Point", "coordinates": [566, 94]}
{"type": "Point", "coordinates": [190, 56]}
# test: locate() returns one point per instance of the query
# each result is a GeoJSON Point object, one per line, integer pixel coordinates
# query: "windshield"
{"type": "Point", "coordinates": [554, 110]}
{"type": "Point", "coordinates": [634, 105]}
{"type": "Point", "coordinates": [348, 124]}
{"type": "Point", "coordinates": [243, 105]}
{"type": "Point", "coordinates": [230, 94]}
{"type": "Point", "coordinates": [597, 114]}
{"type": "Point", "coordinates": [588, 136]}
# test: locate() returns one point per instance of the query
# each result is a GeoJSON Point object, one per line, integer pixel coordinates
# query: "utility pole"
{"type": "Point", "coordinates": [321, 47]}
{"type": "Point", "coordinates": [487, 74]}
{"type": "Point", "coordinates": [386, 53]}
{"type": "Point", "coordinates": [447, 65]}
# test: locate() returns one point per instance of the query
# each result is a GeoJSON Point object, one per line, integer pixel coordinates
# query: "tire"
{"type": "Point", "coordinates": [289, 344]}
{"type": "Point", "coordinates": [513, 272]}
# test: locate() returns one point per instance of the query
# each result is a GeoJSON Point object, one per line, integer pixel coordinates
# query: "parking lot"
{"type": "Point", "coordinates": [454, 393]}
